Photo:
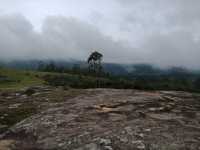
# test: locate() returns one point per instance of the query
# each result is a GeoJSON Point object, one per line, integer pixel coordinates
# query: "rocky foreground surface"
{"type": "Point", "coordinates": [99, 119]}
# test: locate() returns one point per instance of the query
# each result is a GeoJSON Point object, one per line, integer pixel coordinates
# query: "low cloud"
{"type": "Point", "coordinates": [70, 38]}
{"type": "Point", "coordinates": [60, 38]}
{"type": "Point", "coordinates": [173, 49]}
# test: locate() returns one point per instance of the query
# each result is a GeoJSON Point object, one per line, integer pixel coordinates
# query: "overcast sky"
{"type": "Point", "coordinates": [162, 32]}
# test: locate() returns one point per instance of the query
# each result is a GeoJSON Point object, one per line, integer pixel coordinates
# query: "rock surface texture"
{"type": "Point", "coordinates": [105, 119]}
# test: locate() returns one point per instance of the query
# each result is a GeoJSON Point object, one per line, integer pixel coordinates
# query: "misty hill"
{"type": "Point", "coordinates": [112, 68]}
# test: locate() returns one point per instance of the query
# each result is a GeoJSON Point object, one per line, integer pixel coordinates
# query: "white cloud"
{"type": "Point", "coordinates": [157, 31]}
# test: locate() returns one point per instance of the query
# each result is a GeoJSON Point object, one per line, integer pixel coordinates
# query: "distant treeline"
{"type": "Point", "coordinates": [142, 82]}
{"type": "Point", "coordinates": [139, 76]}
{"type": "Point", "coordinates": [144, 77]}
{"type": "Point", "coordinates": [112, 68]}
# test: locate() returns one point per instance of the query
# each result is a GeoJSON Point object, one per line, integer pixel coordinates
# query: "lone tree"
{"type": "Point", "coordinates": [94, 62]}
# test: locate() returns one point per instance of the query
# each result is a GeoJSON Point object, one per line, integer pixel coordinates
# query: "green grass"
{"type": "Point", "coordinates": [20, 79]}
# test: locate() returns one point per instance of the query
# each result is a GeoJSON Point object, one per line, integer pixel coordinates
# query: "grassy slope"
{"type": "Point", "coordinates": [19, 79]}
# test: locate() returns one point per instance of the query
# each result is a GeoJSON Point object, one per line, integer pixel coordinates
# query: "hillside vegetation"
{"type": "Point", "coordinates": [16, 79]}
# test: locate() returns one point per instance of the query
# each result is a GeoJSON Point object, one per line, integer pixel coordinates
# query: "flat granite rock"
{"type": "Point", "coordinates": [106, 119]}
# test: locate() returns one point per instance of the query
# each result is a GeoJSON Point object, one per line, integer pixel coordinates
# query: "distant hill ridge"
{"type": "Point", "coordinates": [113, 68]}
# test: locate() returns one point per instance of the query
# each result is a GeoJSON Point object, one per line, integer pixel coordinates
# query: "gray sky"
{"type": "Point", "coordinates": [162, 32]}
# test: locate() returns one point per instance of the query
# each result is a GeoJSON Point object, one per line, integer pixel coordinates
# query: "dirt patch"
{"type": "Point", "coordinates": [7, 144]}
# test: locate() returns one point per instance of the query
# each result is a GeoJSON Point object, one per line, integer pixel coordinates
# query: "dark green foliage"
{"type": "Point", "coordinates": [164, 83]}
{"type": "Point", "coordinates": [76, 69]}
{"type": "Point", "coordinates": [78, 81]}
{"type": "Point", "coordinates": [141, 83]}
{"type": "Point", "coordinates": [143, 77]}
{"type": "Point", "coordinates": [5, 79]}
{"type": "Point", "coordinates": [50, 67]}
{"type": "Point", "coordinates": [29, 92]}
{"type": "Point", "coordinates": [197, 83]}
{"type": "Point", "coordinates": [140, 76]}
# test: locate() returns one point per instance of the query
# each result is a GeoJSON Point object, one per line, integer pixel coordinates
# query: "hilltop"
{"type": "Point", "coordinates": [74, 111]}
